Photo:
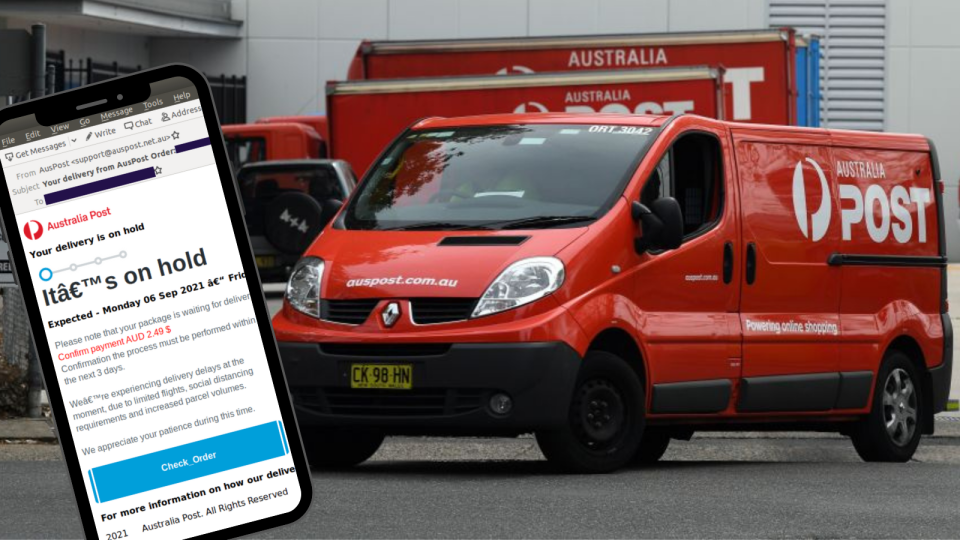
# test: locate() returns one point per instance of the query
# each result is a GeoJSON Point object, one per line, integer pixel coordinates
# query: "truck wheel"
{"type": "Point", "coordinates": [605, 421]}
{"type": "Point", "coordinates": [652, 446]}
{"type": "Point", "coordinates": [891, 432]}
{"type": "Point", "coordinates": [340, 449]}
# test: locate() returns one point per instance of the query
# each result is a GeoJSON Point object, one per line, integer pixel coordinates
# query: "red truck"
{"type": "Point", "coordinates": [252, 143]}
{"type": "Point", "coordinates": [612, 282]}
{"type": "Point", "coordinates": [395, 104]}
{"type": "Point", "coordinates": [316, 122]}
{"type": "Point", "coordinates": [760, 64]}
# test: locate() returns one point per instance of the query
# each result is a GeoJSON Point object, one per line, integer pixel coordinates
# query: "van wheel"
{"type": "Point", "coordinates": [605, 422]}
{"type": "Point", "coordinates": [340, 448]}
{"type": "Point", "coordinates": [891, 432]}
{"type": "Point", "coordinates": [653, 446]}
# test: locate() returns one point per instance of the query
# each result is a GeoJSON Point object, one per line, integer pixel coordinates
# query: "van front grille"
{"type": "Point", "coordinates": [347, 311]}
{"type": "Point", "coordinates": [441, 310]}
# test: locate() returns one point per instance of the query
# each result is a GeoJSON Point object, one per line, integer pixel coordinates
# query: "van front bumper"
{"type": "Point", "coordinates": [451, 387]}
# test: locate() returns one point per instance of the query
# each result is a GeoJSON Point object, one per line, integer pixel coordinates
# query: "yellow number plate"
{"type": "Point", "coordinates": [382, 376]}
{"type": "Point", "coordinates": [266, 261]}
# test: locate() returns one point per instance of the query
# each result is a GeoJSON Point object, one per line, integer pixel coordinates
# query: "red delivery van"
{"type": "Point", "coordinates": [612, 282]}
{"type": "Point", "coordinates": [251, 143]}
{"type": "Point", "coordinates": [395, 104]}
{"type": "Point", "coordinates": [760, 63]}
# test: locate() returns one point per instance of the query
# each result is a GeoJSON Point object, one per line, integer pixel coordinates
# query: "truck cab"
{"type": "Point", "coordinates": [252, 143]}
{"type": "Point", "coordinates": [613, 282]}
{"type": "Point", "coordinates": [316, 122]}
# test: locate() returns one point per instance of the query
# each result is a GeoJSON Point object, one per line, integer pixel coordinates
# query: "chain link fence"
{"type": "Point", "coordinates": [16, 358]}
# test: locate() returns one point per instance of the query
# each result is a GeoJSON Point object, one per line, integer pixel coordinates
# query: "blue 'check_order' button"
{"type": "Point", "coordinates": [189, 461]}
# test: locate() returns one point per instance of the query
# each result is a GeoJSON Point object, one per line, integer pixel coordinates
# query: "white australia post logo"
{"type": "Point", "coordinates": [530, 106]}
{"type": "Point", "coordinates": [813, 226]}
{"type": "Point", "coordinates": [881, 212]}
{"type": "Point", "coordinates": [514, 70]}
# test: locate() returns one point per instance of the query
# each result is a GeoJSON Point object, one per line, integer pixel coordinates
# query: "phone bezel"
{"type": "Point", "coordinates": [61, 107]}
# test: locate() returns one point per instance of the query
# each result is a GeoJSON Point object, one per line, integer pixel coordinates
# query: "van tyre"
{"type": "Point", "coordinates": [653, 446]}
{"type": "Point", "coordinates": [340, 448]}
{"type": "Point", "coordinates": [891, 432]}
{"type": "Point", "coordinates": [605, 421]}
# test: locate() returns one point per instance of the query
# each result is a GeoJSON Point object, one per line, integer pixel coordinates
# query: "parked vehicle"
{"type": "Point", "coordinates": [398, 103]}
{"type": "Point", "coordinates": [316, 122]}
{"type": "Point", "coordinates": [761, 65]}
{"type": "Point", "coordinates": [252, 143]}
{"type": "Point", "coordinates": [287, 204]}
{"type": "Point", "coordinates": [613, 282]}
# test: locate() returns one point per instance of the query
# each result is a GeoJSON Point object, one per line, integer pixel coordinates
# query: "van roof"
{"type": "Point", "coordinates": [542, 118]}
{"type": "Point", "coordinates": [740, 130]}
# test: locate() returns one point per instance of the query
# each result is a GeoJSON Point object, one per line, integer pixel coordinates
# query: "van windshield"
{"type": "Point", "coordinates": [499, 177]}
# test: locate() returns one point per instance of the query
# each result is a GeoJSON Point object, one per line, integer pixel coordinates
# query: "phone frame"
{"type": "Point", "coordinates": [135, 88]}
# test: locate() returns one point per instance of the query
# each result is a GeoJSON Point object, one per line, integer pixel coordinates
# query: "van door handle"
{"type": "Point", "coordinates": [751, 266]}
{"type": "Point", "coordinates": [728, 263]}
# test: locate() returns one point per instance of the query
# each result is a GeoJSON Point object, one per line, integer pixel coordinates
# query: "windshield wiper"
{"type": "Point", "coordinates": [435, 225]}
{"type": "Point", "coordinates": [539, 222]}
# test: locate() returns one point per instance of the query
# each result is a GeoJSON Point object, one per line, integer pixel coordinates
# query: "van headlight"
{"type": "Point", "coordinates": [521, 283]}
{"type": "Point", "coordinates": [303, 288]}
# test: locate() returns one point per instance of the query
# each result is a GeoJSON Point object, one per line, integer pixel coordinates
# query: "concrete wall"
{"type": "Point", "coordinates": [293, 47]}
{"type": "Point", "coordinates": [923, 86]}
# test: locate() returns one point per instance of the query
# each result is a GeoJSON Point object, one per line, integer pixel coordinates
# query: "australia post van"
{"type": "Point", "coordinates": [612, 282]}
{"type": "Point", "coordinates": [395, 104]}
{"type": "Point", "coordinates": [761, 76]}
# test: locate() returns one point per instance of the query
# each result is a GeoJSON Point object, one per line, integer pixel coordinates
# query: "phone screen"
{"type": "Point", "coordinates": [148, 317]}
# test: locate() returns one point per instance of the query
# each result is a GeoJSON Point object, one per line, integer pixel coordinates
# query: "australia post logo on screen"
{"type": "Point", "coordinates": [875, 211]}
{"type": "Point", "coordinates": [33, 229]}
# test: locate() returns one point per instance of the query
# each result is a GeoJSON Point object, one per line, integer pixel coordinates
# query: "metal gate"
{"type": "Point", "coordinates": [229, 93]}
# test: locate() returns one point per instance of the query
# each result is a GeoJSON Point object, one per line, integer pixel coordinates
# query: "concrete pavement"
{"type": "Point", "coordinates": [18, 429]}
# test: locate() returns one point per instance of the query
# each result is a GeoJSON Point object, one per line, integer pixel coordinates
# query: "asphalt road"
{"type": "Point", "coordinates": [476, 488]}
{"type": "Point", "coordinates": [735, 486]}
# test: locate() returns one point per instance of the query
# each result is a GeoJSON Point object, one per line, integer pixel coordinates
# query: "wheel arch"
{"type": "Point", "coordinates": [619, 342]}
{"type": "Point", "coordinates": [911, 348]}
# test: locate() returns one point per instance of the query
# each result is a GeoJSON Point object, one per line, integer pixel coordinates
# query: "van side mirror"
{"type": "Point", "coordinates": [662, 224]}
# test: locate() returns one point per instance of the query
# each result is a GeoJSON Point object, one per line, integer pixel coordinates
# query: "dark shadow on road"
{"type": "Point", "coordinates": [512, 469]}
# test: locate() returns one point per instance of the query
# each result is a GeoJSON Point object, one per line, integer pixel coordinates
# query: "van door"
{"type": "Point", "coordinates": [690, 295]}
{"type": "Point", "coordinates": [790, 295]}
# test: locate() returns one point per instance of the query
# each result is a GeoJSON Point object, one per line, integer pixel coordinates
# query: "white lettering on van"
{"type": "Point", "coordinates": [880, 212]}
{"type": "Point", "coordinates": [860, 169]}
{"type": "Point", "coordinates": [792, 326]}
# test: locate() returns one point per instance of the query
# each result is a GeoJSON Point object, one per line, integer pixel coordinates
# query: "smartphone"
{"type": "Point", "coordinates": [129, 246]}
